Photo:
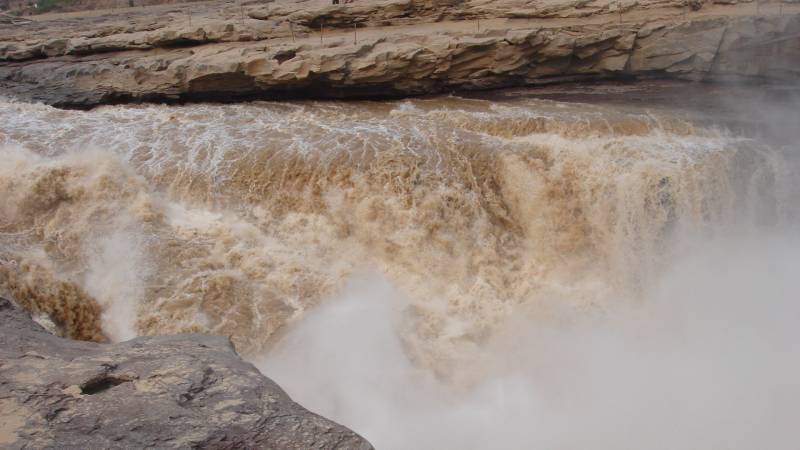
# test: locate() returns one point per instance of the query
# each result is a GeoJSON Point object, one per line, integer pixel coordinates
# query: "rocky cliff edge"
{"type": "Point", "coordinates": [289, 49]}
{"type": "Point", "coordinates": [185, 391]}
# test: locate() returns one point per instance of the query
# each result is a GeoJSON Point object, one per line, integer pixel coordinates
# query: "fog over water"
{"type": "Point", "coordinates": [615, 269]}
{"type": "Point", "coordinates": [707, 361]}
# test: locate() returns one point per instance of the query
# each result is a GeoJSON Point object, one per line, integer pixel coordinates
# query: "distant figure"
{"type": "Point", "coordinates": [335, 2]}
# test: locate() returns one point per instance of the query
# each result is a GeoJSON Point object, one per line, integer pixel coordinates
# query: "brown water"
{"type": "Point", "coordinates": [241, 220]}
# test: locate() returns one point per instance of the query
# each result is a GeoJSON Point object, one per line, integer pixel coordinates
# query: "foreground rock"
{"type": "Point", "coordinates": [189, 391]}
{"type": "Point", "coordinates": [403, 48]}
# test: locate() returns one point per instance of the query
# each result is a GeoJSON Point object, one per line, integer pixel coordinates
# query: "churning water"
{"type": "Point", "coordinates": [434, 273]}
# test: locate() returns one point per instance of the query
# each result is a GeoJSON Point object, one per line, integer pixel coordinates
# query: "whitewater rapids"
{"type": "Point", "coordinates": [433, 273]}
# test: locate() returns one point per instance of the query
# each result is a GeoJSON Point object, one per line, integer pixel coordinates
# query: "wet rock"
{"type": "Point", "coordinates": [186, 391]}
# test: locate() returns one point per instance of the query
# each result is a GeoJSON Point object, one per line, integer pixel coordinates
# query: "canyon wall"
{"type": "Point", "coordinates": [401, 48]}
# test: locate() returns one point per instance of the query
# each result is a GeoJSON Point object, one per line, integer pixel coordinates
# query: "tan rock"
{"type": "Point", "coordinates": [229, 57]}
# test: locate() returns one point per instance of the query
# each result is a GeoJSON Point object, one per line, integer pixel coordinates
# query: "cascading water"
{"type": "Point", "coordinates": [440, 273]}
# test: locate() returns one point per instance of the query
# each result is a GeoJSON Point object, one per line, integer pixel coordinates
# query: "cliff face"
{"type": "Point", "coordinates": [186, 391]}
{"type": "Point", "coordinates": [402, 48]}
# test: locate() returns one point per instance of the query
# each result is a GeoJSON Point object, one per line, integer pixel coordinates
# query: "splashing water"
{"type": "Point", "coordinates": [528, 260]}
{"type": "Point", "coordinates": [708, 361]}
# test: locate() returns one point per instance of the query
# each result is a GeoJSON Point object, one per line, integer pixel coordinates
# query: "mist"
{"type": "Point", "coordinates": [707, 360]}
{"type": "Point", "coordinates": [545, 274]}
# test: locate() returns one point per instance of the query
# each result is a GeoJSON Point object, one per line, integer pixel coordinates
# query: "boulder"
{"type": "Point", "coordinates": [184, 391]}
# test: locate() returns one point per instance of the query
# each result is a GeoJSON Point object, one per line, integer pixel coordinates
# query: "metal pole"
{"type": "Point", "coordinates": [321, 30]}
{"type": "Point", "coordinates": [291, 29]}
{"type": "Point", "coordinates": [355, 33]}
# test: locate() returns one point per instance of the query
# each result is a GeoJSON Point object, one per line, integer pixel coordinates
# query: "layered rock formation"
{"type": "Point", "coordinates": [187, 391]}
{"type": "Point", "coordinates": [403, 47]}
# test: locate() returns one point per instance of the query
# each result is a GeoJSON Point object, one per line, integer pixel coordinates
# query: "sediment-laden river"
{"type": "Point", "coordinates": [604, 269]}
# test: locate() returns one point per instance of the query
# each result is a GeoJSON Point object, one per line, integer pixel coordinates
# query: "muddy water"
{"type": "Point", "coordinates": [243, 219]}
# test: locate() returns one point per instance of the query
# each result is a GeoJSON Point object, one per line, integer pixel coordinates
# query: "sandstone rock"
{"type": "Point", "coordinates": [187, 391]}
{"type": "Point", "coordinates": [759, 46]}
{"type": "Point", "coordinates": [687, 48]}
{"type": "Point", "coordinates": [336, 16]}
{"type": "Point", "coordinates": [216, 59]}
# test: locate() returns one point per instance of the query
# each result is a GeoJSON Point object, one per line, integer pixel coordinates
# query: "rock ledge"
{"type": "Point", "coordinates": [185, 391]}
{"type": "Point", "coordinates": [403, 48]}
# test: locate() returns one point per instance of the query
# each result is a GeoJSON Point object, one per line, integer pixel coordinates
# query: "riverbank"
{"type": "Point", "coordinates": [226, 51]}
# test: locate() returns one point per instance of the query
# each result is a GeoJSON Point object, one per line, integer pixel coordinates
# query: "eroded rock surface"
{"type": "Point", "coordinates": [186, 391]}
{"type": "Point", "coordinates": [390, 48]}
